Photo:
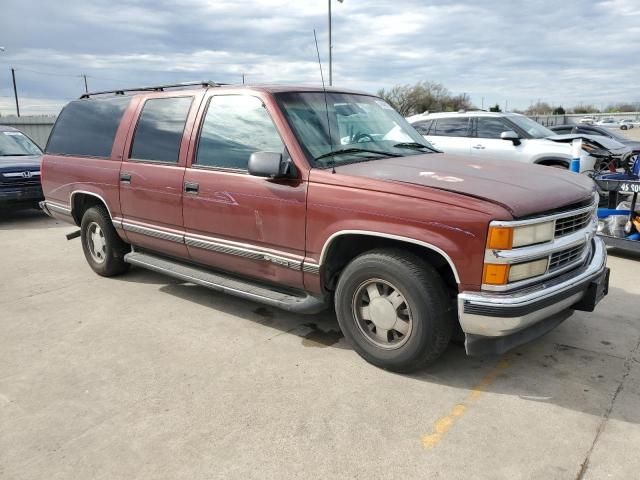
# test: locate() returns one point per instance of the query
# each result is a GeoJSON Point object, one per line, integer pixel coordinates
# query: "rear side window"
{"type": "Point", "coordinates": [87, 127]}
{"type": "Point", "coordinates": [159, 131]}
{"type": "Point", "coordinates": [451, 127]}
{"type": "Point", "coordinates": [234, 127]}
{"type": "Point", "coordinates": [423, 126]}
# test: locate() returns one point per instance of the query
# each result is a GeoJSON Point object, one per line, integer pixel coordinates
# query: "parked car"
{"type": "Point", "coordinates": [605, 150]}
{"type": "Point", "coordinates": [587, 120]}
{"type": "Point", "coordinates": [490, 135]}
{"type": "Point", "coordinates": [301, 198]}
{"type": "Point", "coordinates": [598, 131]}
{"type": "Point", "coordinates": [608, 122]}
{"type": "Point", "coordinates": [19, 169]}
{"type": "Point", "coordinates": [626, 124]}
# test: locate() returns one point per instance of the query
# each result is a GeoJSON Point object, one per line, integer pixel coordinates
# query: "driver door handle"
{"type": "Point", "coordinates": [191, 187]}
{"type": "Point", "coordinates": [479, 147]}
{"type": "Point", "coordinates": [125, 177]}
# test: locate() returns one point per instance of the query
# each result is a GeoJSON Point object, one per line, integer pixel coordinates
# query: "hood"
{"type": "Point", "coordinates": [604, 142]}
{"type": "Point", "coordinates": [522, 189]}
{"type": "Point", "coordinates": [633, 145]}
{"type": "Point", "coordinates": [18, 162]}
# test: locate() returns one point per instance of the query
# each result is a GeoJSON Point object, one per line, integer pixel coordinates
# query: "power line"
{"type": "Point", "coordinates": [46, 73]}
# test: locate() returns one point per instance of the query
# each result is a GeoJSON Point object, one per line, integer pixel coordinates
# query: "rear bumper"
{"type": "Point", "coordinates": [21, 194]}
{"type": "Point", "coordinates": [496, 322]}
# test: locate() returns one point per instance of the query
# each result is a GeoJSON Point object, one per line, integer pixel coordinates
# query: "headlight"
{"type": "Point", "coordinates": [506, 238]}
{"type": "Point", "coordinates": [522, 271]}
{"type": "Point", "coordinates": [501, 274]}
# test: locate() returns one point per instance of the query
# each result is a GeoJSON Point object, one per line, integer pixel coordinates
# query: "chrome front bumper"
{"type": "Point", "coordinates": [492, 314]}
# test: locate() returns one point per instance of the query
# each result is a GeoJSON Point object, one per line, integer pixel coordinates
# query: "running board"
{"type": "Point", "coordinates": [227, 284]}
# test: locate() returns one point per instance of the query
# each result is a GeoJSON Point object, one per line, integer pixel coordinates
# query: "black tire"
{"type": "Point", "coordinates": [431, 311]}
{"type": "Point", "coordinates": [555, 164]}
{"type": "Point", "coordinates": [114, 248]}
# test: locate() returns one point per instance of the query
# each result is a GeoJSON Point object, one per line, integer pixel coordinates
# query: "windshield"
{"type": "Point", "coordinates": [350, 128]}
{"type": "Point", "coordinates": [533, 128]}
{"type": "Point", "coordinates": [16, 144]}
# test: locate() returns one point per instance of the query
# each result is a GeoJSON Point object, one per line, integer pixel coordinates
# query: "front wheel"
{"type": "Point", "coordinates": [394, 308]}
{"type": "Point", "coordinates": [103, 248]}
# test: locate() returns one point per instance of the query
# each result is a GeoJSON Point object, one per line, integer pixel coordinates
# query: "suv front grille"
{"type": "Point", "coordinates": [32, 182]}
{"type": "Point", "coordinates": [573, 223]}
{"type": "Point", "coordinates": [565, 257]}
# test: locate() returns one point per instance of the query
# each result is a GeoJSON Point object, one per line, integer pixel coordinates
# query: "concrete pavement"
{"type": "Point", "coordinates": [144, 377]}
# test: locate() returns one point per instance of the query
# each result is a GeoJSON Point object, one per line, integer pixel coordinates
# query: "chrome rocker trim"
{"type": "Point", "coordinates": [490, 314]}
{"type": "Point", "coordinates": [213, 244]}
{"type": "Point", "coordinates": [57, 211]}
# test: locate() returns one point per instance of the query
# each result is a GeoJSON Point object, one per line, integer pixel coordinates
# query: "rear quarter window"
{"type": "Point", "coordinates": [87, 127]}
{"type": "Point", "coordinates": [451, 127]}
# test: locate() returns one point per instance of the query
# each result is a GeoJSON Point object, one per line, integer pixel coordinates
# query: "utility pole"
{"type": "Point", "coordinates": [243, 78]}
{"type": "Point", "coordinates": [482, 107]}
{"type": "Point", "coordinates": [506, 105]}
{"type": "Point", "coordinates": [86, 88]}
{"type": "Point", "coordinates": [15, 91]}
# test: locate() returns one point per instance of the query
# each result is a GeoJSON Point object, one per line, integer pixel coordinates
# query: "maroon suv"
{"type": "Point", "coordinates": [300, 198]}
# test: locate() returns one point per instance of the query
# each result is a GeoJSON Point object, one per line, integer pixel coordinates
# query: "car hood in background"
{"type": "Point", "coordinates": [17, 162]}
{"type": "Point", "coordinates": [522, 189]}
{"type": "Point", "coordinates": [604, 142]}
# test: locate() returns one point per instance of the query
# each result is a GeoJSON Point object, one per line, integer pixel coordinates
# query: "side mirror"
{"type": "Point", "coordinates": [267, 164]}
{"type": "Point", "coordinates": [512, 136]}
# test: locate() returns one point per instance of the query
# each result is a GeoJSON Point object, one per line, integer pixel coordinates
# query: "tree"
{"type": "Point", "coordinates": [539, 108]}
{"type": "Point", "coordinates": [585, 109]}
{"type": "Point", "coordinates": [621, 107]}
{"type": "Point", "coordinates": [496, 108]}
{"type": "Point", "coordinates": [422, 97]}
{"type": "Point", "coordinates": [559, 110]}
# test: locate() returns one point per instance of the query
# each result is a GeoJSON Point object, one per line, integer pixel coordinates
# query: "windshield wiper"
{"type": "Point", "coordinates": [15, 154]}
{"type": "Point", "coordinates": [355, 150]}
{"type": "Point", "coordinates": [412, 145]}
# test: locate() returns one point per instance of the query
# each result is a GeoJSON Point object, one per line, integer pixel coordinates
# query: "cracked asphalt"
{"type": "Point", "coordinates": [143, 377]}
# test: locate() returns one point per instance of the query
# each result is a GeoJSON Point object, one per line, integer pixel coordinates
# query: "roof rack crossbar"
{"type": "Point", "coordinates": [157, 88]}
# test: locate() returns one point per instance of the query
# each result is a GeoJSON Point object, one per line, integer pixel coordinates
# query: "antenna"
{"type": "Point", "coordinates": [326, 106]}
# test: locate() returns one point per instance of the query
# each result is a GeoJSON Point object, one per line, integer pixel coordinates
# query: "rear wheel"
{"type": "Point", "coordinates": [394, 309]}
{"type": "Point", "coordinates": [103, 248]}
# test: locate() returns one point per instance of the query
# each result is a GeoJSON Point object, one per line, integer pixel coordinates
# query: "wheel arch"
{"type": "Point", "coordinates": [81, 200]}
{"type": "Point", "coordinates": [343, 246]}
{"type": "Point", "coordinates": [552, 161]}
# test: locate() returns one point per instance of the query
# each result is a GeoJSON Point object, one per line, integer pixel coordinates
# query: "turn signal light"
{"type": "Point", "coordinates": [495, 274]}
{"type": "Point", "coordinates": [500, 238]}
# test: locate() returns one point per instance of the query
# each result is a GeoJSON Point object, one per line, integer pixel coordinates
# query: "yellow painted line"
{"type": "Point", "coordinates": [444, 424]}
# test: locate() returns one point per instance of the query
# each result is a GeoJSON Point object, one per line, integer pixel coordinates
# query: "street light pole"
{"type": "Point", "coordinates": [331, 46]}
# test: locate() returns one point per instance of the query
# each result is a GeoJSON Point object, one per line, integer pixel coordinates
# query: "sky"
{"type": "Point", "coordinates": [496, 51]}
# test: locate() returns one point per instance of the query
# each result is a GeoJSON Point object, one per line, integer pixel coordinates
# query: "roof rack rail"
{"type": "Point", "coordinates": [157, 88]}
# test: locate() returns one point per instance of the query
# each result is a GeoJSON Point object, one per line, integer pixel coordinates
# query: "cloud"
{"type": "Point", "coordinates": [562, 52]}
